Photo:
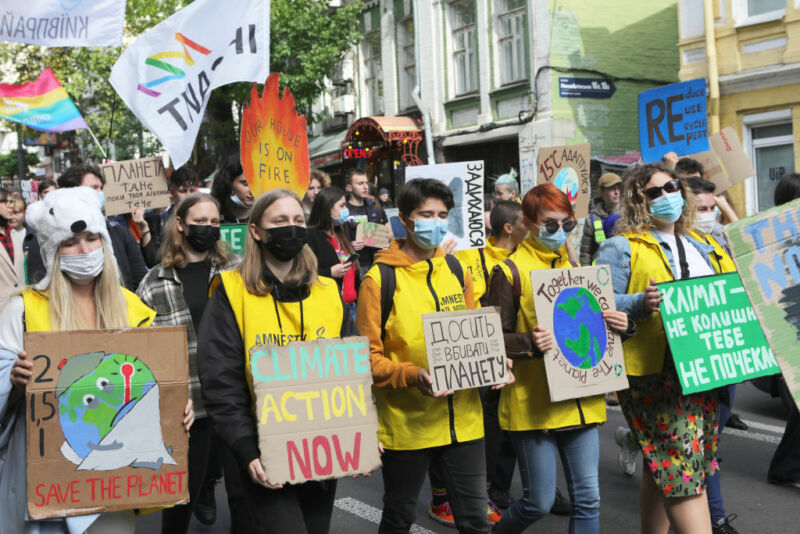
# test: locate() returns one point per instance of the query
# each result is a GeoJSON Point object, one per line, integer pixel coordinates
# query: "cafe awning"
{"type": "Point", "coordinates": [402, 133]}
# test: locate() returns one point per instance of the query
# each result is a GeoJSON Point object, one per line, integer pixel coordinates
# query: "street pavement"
{"type": "Point", "coordinates": [761, 507]}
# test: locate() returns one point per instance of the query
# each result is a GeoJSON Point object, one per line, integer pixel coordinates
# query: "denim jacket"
{"type": "Point", "coordinates": [616, 253]}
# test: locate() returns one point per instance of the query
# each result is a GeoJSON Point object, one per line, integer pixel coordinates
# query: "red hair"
{"type": "Point", "coordinates": [545, 197]}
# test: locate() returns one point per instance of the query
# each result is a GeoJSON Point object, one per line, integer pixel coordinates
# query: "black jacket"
{"type": "Point", "coordinates": [220, 363]}
{"type": "Point", "coordinates": [126, 251]}
{"type": "Point", "coordinates": [326, 256]}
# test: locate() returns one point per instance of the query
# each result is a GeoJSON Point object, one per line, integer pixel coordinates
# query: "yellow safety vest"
{"type": "Point", "coordinates": [525, 404]}
{"type": "Point", "coordinates": [263, 320]}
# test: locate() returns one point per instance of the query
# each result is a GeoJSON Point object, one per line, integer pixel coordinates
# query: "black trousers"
{"type": "Point", "coordinates": [500, 456]}
{"type": "Point", "coordinates": [177, 518]}
{"type": "Point", "coordinates": [464, 471]}
{"type": "Point", "coordinates": [301, 508]}
{"type": "Point", "coordinates": [785, 465]}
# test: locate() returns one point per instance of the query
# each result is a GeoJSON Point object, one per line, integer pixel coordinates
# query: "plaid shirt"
{"type": "Point", "coordinates": [8, 243]}
{"type": "Point", "coordinates": [162, 291]}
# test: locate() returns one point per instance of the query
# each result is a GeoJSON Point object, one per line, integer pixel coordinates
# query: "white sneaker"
{"type": "Point", "coordinates": [627, 451]}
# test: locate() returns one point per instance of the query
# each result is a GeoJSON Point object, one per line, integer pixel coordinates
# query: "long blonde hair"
{"type": "Point", "coordinates": [635, 217]}
{"type": "Point", "coordinates": [304, 265]}
{"type": "Point", "coordinates": [112, 310]}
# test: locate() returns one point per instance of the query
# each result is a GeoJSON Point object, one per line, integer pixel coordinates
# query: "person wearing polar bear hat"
{"type": "Point", "coordinates": [81, 290]}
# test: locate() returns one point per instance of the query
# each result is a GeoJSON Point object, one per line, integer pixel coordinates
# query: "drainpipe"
{"type": "Point", "coordinates": [713, 72]}
{"type": "Point", "coordinates": [416, 93]}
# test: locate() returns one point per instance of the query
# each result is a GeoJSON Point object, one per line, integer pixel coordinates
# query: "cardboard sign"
{"type": "Point", "coordinates": [465, 349]}
{"type": "Point", "coordinates": [315, 413]}
{"type": "Point", "coordinates": [135, 183]}
{"type": "Point", "coordinates": [273, 142]}
{"type": "Point", "coordinates": [713, 333]}
{"type": "Point", "coordinates": [374, 234]}
{"type": "Point", "coordinates": [567, 168]}
{"type": "Point", "coordinates": [235, 235]}
{"type": "Point", "coordinates": [465, 179]}
{"type": "Point", "coordinates": [673, 118]}
{"type": "Point", "coordinates": [104, 420]}
{"type": "Point", "coordinates": [726, 163]}
{"type": "Point", "coordinates": [586, 358]}
{"type": "Point", "coordinates": [766, 249]}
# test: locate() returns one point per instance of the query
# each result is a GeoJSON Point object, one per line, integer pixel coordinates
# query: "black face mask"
{"type": "Point", "coordinates": [286, 242]}
{"type": "Point", "coordinates": [202, 237]}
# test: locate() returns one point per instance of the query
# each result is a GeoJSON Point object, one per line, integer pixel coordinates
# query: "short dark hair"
{"type": "Point", "coordinates": [700, 185]}
{"type": "Point", "coordinates": [415, 191]}
{"type": "Point", "coordinates": [688, 166]}
{"type": "Point", "coordinates": [787, 189]}
{"type": "Point", "coordinates": [353, 172]}
{"type": "Point", "coordinates": [505, 211]}
{"type": "Point", "coordinates": [183, 177]}
{"type": "Point", "coordinates": [46, 184]}
{"type": "Point", "coordinates": [73, 177]}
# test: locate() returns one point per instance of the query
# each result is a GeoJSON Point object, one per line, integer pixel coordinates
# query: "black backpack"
{"type": "Point", "coordinates": [389, 284]}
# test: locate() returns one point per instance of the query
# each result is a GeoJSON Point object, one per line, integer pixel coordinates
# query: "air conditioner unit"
{"type": "Point", "coordinates": [344, 104]}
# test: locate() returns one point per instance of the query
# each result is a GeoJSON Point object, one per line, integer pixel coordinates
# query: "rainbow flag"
{"type": "Point", "coordinates": [42, 105]}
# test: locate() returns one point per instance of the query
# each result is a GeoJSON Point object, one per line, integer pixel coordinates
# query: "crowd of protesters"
{"type": "Point", "coordinates": [65, 266]}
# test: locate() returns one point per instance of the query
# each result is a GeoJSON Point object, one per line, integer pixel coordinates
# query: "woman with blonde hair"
{"type": "Point", "coordinates": [676, 433]}
{"type": "Point", "coordinates": [275, 296]}
{"type": "Point", "coordinates": [81, 290]}
{"type": "Point", "coordinates": [177, 288]}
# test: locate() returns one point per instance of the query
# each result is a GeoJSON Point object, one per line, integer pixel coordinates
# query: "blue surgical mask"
{"type": "Point", "coordinates": [429, 233]}
{"type": "Point", "coordinates": [102, 197]}
{"type": "Point", "coordinates": [668, 207]}
{"type": "Point", "coordinates": [551, 242]}
{"type": "Point", "coordinates": [344, 213]}
{"type": "Point", "coordinates": [238, 202]}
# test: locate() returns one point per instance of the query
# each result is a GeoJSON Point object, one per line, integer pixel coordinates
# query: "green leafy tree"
{"type": "Point", "coordinates": [8, 163]}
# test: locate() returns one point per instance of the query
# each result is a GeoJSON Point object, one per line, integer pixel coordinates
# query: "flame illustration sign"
{"type": "Point", "coordinates": [273, 141]}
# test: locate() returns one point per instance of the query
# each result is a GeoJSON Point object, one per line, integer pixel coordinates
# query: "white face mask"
{"type": "Point", "coordinates": [705, 221]}
{"type": "Point", "coordinates": [83, 268]}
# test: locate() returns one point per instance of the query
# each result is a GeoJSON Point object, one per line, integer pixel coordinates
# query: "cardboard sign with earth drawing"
{"type": "Point", "coordinates": [567, 168]}
{"type": "Point", "coordinates": [586, 358]}
{"type": "Point", "coordinates": [315, 415]}
{"type": "Point", "coordinates": [104, 420]}
{"type": "Point", "coordinates": [766, 249]}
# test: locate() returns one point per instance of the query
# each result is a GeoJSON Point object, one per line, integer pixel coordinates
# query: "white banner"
{"type": "Point", "coordinates": [63, 22]}
{"type": "Point", "coordinates": [465, 179]}
{"type": "Point", "coordinates": [167, 75]}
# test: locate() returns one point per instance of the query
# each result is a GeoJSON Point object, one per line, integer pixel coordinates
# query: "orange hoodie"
{"type": "Point", "coordinates": [408, 419]}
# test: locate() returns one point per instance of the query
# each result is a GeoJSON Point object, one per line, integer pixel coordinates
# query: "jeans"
{"type": "Point", "coordinates": [464, 471]}
{"type": "Point", "coordinates": [536, 454]}
{"type": "Point", "coordinates": [713, 487]}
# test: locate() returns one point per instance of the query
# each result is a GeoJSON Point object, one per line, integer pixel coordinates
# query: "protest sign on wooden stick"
{"type": "Point", "coordinates": [135, 183]}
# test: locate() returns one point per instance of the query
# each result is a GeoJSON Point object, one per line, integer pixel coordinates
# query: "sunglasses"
{"type": "Point", "coordinates": [552, 226]}
{"type": "Point", "coordinates": [672, 186]}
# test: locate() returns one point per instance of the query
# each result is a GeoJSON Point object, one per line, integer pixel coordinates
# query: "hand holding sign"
{"type": "Point", "coordinates": [274, 144]}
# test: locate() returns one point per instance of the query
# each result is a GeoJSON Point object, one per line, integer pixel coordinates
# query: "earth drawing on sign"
{"type": "Point", "coordinates": [580, 329]}
{"type": "Point", "coordinates": [108, 407]}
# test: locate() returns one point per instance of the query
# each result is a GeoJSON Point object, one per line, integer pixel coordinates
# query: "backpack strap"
{"type": "Point", "coordinates": [388, 285]}
{"type": "Point", "coordinates": [516, 283]}
{"type": "Point", "coordinates": [457, 269]}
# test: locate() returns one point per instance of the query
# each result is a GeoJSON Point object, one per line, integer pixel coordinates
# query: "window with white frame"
{"type": "Point", "coordinates": [406, 58]}
{"type": "Point", "coordinates": [465, 45]}
{"type": "Point", "coordinates": [757, 11]}
{"type": "Point", "coordinates": [373, 75]}
{"type": "Point", "coordinates": [769, 140]}
{"type": "Point", "coordinates": [510, 20]}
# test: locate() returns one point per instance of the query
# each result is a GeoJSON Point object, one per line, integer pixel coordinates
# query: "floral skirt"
{"type": "Point", "coordinates": [677, 433]}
